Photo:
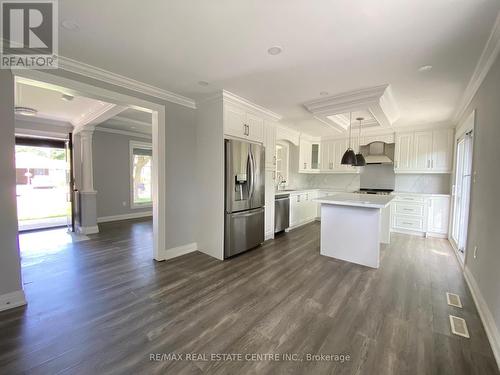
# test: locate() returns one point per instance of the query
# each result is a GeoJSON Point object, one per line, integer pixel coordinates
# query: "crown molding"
{"type": "Point", "coordinates": [97, 115]}
{"type": "Point", "coordinates": [90, 71]}
{"type": "Point", "coordinates": [235, 99]}
{"type": "Point", "coordinates": [123, 132]}
{"type": "Point", "coordinates": [378, 100]}
{"type": "Point", "coordinates": [43, 120]}
{"type": "Point", "coordinates": [126, 120]}
{"type": "Point", "coordinates": [484, 64]}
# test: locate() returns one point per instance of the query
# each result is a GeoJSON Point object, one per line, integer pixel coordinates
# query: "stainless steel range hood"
{"type": "Point", "coordinates": [378, 153]}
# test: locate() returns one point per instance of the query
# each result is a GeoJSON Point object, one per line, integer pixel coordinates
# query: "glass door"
{"type": "Point", "coordinates": [461, 194]}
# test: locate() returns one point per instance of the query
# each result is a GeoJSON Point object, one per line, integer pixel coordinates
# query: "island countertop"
{"type": "Point", "coordinates": [357, 200]}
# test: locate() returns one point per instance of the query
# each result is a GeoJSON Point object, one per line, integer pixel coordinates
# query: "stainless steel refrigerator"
{"type": "Point", "coordinates": [244, 192]}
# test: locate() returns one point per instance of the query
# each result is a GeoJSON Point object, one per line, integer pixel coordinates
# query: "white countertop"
{"type": "Point", "coordinates": [357, 200]}
{"type": "Point", "coordinates": [300, 191]}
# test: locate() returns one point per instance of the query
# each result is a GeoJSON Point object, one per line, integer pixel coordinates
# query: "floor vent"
{"type": "Point", "coordinates": [453, 299]}
{"type": "Point", "coordinates": [459, 326]}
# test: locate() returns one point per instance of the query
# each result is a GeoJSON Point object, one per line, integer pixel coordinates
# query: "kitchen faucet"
{"type": "Point", "coordinates": [281, 182]}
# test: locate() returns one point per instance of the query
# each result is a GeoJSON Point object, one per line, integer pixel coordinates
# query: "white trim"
{"type": "Point", "coordinates": [12, 299]}
{"type": "Point", "coordinates": [144, 146]}
{"type": "Point", "coordinates": [488, 57]}
{"type": "Point", "coordinates": [95, 116]}
{"type": "Point", "coordinates": [133, 215]}
{"type": "Point", "coordinates": [87, 230]}
{"type": "Point", "coordinates": [123, 132]}
{"type": "Point", "coordinates": [235, 99]}
{"type": "Point", "coordinates": [99, 74]}
{"type": "Point", "coordinates": [42, 120]}
{"type": "Point", "coordinates": [180, 250]}
{"type": "Point", "coordinates": [76, 88]}
{"type": "Point", "coordinates": [121, 119]}
{"type": "Point", "coordinates": [490, 327]}
{"type": "Point", "coordinates": [41, 134]}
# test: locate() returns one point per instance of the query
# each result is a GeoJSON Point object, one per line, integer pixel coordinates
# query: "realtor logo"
{"type": "Point", "coordinates": [29, 34]}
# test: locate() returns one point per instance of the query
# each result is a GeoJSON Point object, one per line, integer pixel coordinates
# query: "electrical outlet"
{"type": "Point", "coordinates": [124, 204]}
{"type": "Point", "coordinates": [475, 252]}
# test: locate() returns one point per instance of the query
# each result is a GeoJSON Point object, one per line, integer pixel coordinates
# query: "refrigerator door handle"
{"type": "Point", "coordinates": [252, 175]}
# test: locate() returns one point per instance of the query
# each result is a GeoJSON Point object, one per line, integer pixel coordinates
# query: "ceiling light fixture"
{"type": "Point", "coordinates": [203, 83]}
{"type": "Point", "coordinates": [26, 111]}
{"type": "Point", "coordinates": [425, 68]}
{"type": "Point", "coordinates": [70, 25]}
{"type": "Point", "coordinates": [360, 159]}
{"type": "Point", "coordinates": [349, 157]}
{"type": "Point", "coordinates": [275, 50]}
{"type": "Point", "coordinates": [67, 97]}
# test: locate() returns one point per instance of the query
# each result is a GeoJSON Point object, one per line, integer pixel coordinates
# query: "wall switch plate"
{"type": "Point", "coordinates": [124, 204]}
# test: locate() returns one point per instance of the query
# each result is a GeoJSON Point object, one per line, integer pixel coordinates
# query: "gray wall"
{"type": "Point", "coordinates": [10, 269]}
{"type": "Point", "coordinates": [484, 225]}
{"type": "Point", "coordinates": [111, 163]}
{"type": "Point", "coordinates": [180, 133]}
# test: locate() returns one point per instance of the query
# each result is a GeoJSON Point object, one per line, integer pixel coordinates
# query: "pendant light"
{"type": "Point", "coordinates": [360, 159]}
{"type": "Point", "coordinates": [349, 157]}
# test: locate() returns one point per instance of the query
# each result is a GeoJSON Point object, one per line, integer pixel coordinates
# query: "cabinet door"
{"type": "Point", "coordinates": [423, 150]}
{"type": "Point", "coordinates": [270, 145]}
{"type": "Point", "coordinates": [305, 150]}
{"type": "Point", "coordinates": [234, 121]}
{"type": "Point", "coordinates": [255, 127]}
{"type": "Point", "coordinates": [269, 207]}
{"type": "Point", "coordinates": [404, 152]}
{"type": "Point", "coordinates": [442, 150]}
{"type": "Point", "coordinates": [295, 205]}
{"type": "Point", "coordinates": [324, 163]}
{"type": "Point", "coordinates": [438, 214]}
{"type": "Point", "coordinates": [340, 146]}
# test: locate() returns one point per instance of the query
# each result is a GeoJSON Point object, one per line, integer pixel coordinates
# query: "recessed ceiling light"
{"type": "Point", "coordinates": [203, 83]}
{"type": "Point", "coordinates": [275, 50]}
{"type": "Point", "coordinates": [70, 25]}
{"type": "Point", "coordinates": [323, 93]}
{"type": "Point", "coordinates": [67, 97]}
{"type": "Point", "coordinates": [26, 111]}
{"type": "Point", "coordinates": [425, 68]}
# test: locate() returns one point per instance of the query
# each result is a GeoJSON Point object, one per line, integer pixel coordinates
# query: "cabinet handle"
{"type": "Point", "coordinates": [274, 160]}
{"type": "Point", "coordinates": [407, 223]}
{"type": "Point", "coordinates": [248, 129]}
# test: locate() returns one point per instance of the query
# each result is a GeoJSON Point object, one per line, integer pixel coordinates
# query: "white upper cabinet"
{"type": "Point", "coordinates": [243, 124]}
{"type": "Point", "coordinates": [331, 156]}
{"type": "Point", "coordinates": [305, 155]}
{"type": "Point", "coordinates": [404, 152]}
{"type": "Point", "coordinates": [424, 151]}
{"type": "Point", "coordinates": [270, 145]}
{"type": "Point", "coordinates": [442, 146]}
{"type": "Point", "coordinates": [422, 148]}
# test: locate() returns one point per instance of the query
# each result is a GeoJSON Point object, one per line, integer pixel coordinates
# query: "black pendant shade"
{"type": "Point", "coordinates": [360, 160]}
{"type": "Point", "coordinates": [349, 157]}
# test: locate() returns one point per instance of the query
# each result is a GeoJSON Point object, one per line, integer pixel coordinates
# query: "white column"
{"type": "Point", "coordinates": [86, 159]}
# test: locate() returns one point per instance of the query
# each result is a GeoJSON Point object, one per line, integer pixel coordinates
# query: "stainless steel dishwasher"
{"type": "Point", "coordinates": [281, 212]}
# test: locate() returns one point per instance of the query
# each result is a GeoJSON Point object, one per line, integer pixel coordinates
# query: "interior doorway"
{"type": "Point", "coordinates": [461, 192]}
{"type": "Point", "coordinates": [44, 183]}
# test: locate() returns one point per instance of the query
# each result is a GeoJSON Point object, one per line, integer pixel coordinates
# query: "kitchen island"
{"type": "Point", "coordinates": [354, 225]}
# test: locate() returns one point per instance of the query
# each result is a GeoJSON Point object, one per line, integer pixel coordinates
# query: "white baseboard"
{"type": "Point", "coordinates": [11, 300]}
{"type": "Point", "coordinates": [300, 224]}
{"type": "Point", "coordinates": [133, 215]}
{"type": "Point", "coordinates": [268, 236]}
{"type": "Point", "coordinates": [180, 250]}
{"type": "Point", "coordinates": [490, 327]}
{"type": "Point", "coordinates": [87, 230]}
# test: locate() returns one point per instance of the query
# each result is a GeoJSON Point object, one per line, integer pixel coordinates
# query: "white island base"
{"type": "Point", "coordinates": [352, 227]}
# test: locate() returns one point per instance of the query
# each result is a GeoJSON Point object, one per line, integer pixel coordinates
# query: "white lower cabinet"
{"type": "Point", "coordinates": [438, 214]}
{"type": "Point", "coordinates": [420, 214]}
{"type": "Point", "coordinates": [302, 208]}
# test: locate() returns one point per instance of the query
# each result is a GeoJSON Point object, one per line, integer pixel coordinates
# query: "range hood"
{"type": "Point", "coordinates": [378, 153]}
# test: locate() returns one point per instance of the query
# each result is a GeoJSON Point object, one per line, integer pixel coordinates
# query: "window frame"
{"type": "Point", "coordinates": [146, 146]}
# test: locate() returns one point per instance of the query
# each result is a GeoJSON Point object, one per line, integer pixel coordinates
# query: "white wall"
{"type": "Point", "coordinates": [484, 226]}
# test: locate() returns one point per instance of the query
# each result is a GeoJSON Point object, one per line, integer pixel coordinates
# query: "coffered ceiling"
{"type": "Point", "coordinates": [196, 47]}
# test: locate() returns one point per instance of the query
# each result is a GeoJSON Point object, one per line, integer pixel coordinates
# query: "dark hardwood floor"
{"type": "Point", "coordinates": [104, 306]}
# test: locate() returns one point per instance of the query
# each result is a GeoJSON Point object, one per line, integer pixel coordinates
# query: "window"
{"type": "Point", "coordinates": [140, 174]}
{"type": "Point", "coordinates": [282, 156]}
